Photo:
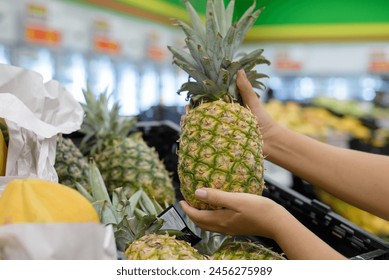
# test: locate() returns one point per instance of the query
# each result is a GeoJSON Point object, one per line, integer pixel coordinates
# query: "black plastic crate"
{"type": "Point", "coordinates": [344, 236]}
{"type": "Point", "coordinates": [347, 238]}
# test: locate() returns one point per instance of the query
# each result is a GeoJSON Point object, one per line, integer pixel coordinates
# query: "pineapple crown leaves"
{"type": "Point", "coordinates": [102, 121]}
{"type": "Point", "coordinates": [131, 216]}
{"type": "Point", "coordinates": [212, 49]}
{"type": "Point", "coordinates": [210, 241]}
{"type": "Point", "coordinates": [115, 209]}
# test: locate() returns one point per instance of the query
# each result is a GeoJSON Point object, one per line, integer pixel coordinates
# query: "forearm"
{"type": "Point", "coordinates": [298, 243]}
{"type": "Point", "coordinates": [359, 178]}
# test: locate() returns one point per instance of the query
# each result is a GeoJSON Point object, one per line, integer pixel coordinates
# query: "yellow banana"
{"type": "Point", "coordinates": [3, 154]}
{"type": "Point", "coordinates": [369, 222]}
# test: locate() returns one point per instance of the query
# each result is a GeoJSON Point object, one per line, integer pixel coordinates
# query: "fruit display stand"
{"type": "Point", "coordinates": [349, 239]}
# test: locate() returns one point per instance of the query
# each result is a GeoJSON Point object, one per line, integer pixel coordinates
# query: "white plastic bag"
{"type": "Point", "coordinates": [35, 113]}
{"type": "Point", "coordinates": [57, 241]}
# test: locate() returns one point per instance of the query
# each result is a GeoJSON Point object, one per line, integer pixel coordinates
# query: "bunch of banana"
{"type": "Point", "coordinates": [3, 146]}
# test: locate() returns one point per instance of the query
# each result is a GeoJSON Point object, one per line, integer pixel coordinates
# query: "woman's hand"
{"type": "Point", "coordinates": [242, 213]}
{"type": "Point", "coordinates": [248, 214]}
{"type": "Point", "coordinates": [250, 99]}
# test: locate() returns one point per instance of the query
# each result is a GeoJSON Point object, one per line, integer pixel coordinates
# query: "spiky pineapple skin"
{"type": "Point", "coordinates": [243, 250]}
{"type": "Point", "coordinates": [130, 163]}
{"type": "Point", "coordinates": [220, 147]}
{"type": "Point", "coordinates": [161, 247]}
{"type": "Point", "coordinates": [70, 164]}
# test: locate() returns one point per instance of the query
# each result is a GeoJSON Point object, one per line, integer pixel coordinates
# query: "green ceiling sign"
{"type": "Point", "coordinates": [292, 20]}
{"type": "Point", "coordinates": [322, 20]}
{"type": "Point", "coordinates": [305, 11]}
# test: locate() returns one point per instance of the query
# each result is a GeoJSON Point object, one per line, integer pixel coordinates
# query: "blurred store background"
{"type": "Point", "coordinates": [328, 78]}
{"type": "Point", "coordinates": [324, 54]}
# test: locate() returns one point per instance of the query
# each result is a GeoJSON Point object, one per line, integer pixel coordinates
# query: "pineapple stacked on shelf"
{"type": "Point", "coordinates": [124, 158]}
{"type": "Point", "coordinates": [222, 247]}
{"type": "Point", "coordinates": [162, 247]}
{"type": "Point", "coordinates": [245, 250]}
{"type": "Point", "coordinates": [70, 164]}
{"type": "Point", "coordinates": [220, 145]}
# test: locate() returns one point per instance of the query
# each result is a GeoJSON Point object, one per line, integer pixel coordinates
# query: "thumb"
{"type": "Point", "coordinates": [216, 197]}
{"type": "Point", "coordinates": [250, 98]}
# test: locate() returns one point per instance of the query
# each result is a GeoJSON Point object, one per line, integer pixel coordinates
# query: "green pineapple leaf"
{"type": "Point", "coordinates": [84, 192]}
{"type": "Point", "coordinates": [100, 191]}
{"type": "Point", "coordinates": [106, 212]}
{"type": "Point", "coordinates": [196, 21]}
{"type": "Point", "coordinates": [123, 234]}
{"type": "Point", "coordinates": [184, 56]}
{"type": "Point", "coordinates": [220, 15]}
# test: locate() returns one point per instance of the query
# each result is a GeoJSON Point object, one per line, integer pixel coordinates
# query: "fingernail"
{"type": "Point", "coordinates": [243, 73]}
{"type": "Point", "coordinates": [200, 193]}
{"type": "Point", "coordinates": [181, 203]}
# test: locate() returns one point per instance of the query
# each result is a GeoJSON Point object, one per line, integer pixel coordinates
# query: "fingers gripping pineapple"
{"type": "Point", "coordinates": [220, 145]}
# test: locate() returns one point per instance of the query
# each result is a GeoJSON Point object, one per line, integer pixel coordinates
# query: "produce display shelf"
{"type": "Point", "coordinates": [344, 236]}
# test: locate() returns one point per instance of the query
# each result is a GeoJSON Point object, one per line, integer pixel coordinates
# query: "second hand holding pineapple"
{"type": "Point", "coordinates": [248, 214]}
{"type": "Point", "coordinates": [356, 177]}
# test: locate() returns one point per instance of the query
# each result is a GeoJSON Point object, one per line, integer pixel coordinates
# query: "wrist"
{"type": "Point", "coordinates": [284, 222]}
{"type": "Point", "coordinates": [271, 134]}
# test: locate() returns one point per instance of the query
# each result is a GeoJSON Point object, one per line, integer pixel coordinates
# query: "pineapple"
{"type": "Point", "coordinates": [124, 158]}
{"type": "Point", "coordinates": [222, 247]}
{"type": "Point", "coordinates": [245, 250]}
{"type": "Point", "coordinates": [220, 145]}
{"type": "Point", "coordinates": [161, 247]}
{"type": "Point", "coordinates": [70, 164]}
{"type": "Point", "coordinates": [135, 223]}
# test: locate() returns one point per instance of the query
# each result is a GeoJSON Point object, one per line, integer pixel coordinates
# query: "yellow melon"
{"type": "Point", "coordinates": [33, 200]}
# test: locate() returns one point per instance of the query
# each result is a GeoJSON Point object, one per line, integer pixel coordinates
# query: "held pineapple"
{"type": "Point", "coordinates": [220, 145]}
{"type": "Point", "coordinates": [136, 226]}
{"type": "Point", "coordinates": [124, 158]}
